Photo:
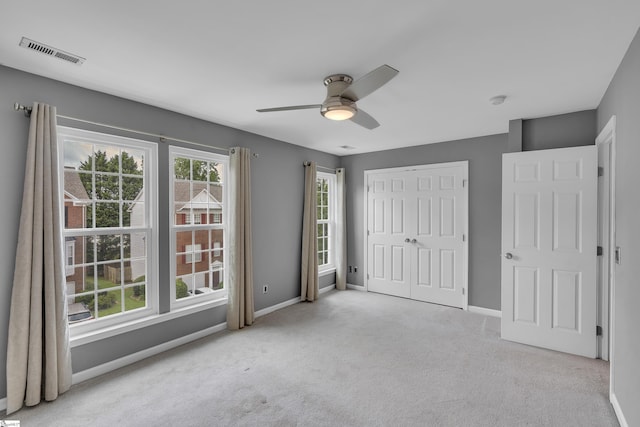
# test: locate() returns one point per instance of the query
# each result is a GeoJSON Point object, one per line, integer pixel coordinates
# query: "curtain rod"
{"type": "Point", "coordinates": [320, 167]}
{"type": "Point", "coordinates": [162, 138]}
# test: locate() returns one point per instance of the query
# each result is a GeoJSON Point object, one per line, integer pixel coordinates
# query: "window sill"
{"type": "Point", "coordinates": [132, 325]}
{"type": "Point", "coordinates": [326, 271]}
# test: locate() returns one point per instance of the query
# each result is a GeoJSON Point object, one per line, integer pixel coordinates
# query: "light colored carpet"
{"type": "Point", "coordinates": [350, 359]}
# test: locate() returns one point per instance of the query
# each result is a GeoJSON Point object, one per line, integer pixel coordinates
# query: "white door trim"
{"type": "Point", "coordinates": [367, 173]}
{"type": "Point", "coordinates": [608, 136]}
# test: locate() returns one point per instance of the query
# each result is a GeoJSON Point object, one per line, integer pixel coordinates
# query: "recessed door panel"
{"type": "Point", "coordinates": [378, 216]}
{"type": "Point", "coordinates": [397, 264]}
{"type": "Point", "coordinates": [397, 215]}
{"type": "Point", "coordinates": [447, 269]}
{"type": "Point", "coordinates": [447, 217]}
{"type": "Point", "coordinates": [525, 295]}
{"type": "Point", "coordinates": [424, 267]}
{"type": "Point", "coordinates": [424, 216]}
{"type": "Point", "coordinates": [566, 300]}
{"type": "Point", "coordinates": [378, 261]}
{"type": "Point", "coordinates": [567, 221]}
{"type": "Point", "coordinates": [527, 215]}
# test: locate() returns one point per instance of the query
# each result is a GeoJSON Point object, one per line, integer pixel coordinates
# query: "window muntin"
{"type": "Point", "coordinates": [197, 192]}
{"type": "Point", "coordinates": [108, 197]}
{"type": "Point", "coordinates": [325, 205]}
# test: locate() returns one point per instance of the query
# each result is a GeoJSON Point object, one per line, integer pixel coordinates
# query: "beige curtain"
{"type": "Point", "coordinates": [309, 274]}
{"type": "Point", "coordinates": [341, 232]}
{"type": "Point", "coordinates": [240, 304]}
{"type": "Point", "coordinates": [38, 351]}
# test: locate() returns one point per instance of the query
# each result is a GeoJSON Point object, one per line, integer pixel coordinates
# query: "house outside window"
{"type": "Point", "coordinates": [326, 217]}
{"type": "Point", "coordinates": [198, 191]}
{"type": "Point", "coordinates": [109, 197]}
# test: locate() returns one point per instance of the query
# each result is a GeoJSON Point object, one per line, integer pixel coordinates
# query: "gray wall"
{"type": "Point", "coordinates": [622, 99]}
{"type": "Point", "coordinates": [564, 130]}
{"type": "Point", "coordinates": [485, 167]}
{"type": "Point", "coordinates": [277, 194]}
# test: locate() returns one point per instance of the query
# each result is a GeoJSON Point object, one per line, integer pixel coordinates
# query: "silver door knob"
{"type": "Point", "coordinates": [407, 240]}
{"type": "Point", "coordinates": [414, 241]}
{"type": "Point", "coordinates": [508, 255]}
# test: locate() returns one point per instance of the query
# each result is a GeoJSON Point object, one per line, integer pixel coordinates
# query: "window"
{"type": "Point", "coordinates": [108, 199]}
{"type": "Point", "coordinates": [69, 256]}
{"type": "Point", "coordinates": [193, 253]}
{"type": "Point", "coordinates": [198, 267]}
{"type": "Point", "coordinates": [326, 184]}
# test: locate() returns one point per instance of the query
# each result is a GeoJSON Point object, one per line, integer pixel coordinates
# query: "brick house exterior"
{"type": "Point", "coordinates": [199, 204]}
{"type": "Point", "coordinates": [76, 200]}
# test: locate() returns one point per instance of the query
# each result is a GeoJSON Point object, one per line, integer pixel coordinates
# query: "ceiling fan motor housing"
{"type": "Point", "coordinates": [336, 85]}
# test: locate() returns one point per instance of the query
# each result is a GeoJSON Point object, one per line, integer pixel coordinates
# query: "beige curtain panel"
{"type": "Point", "coordinates": [341, 231]}
{"type": "Point", "coordinates": [309, 265]}
{"type": "Point", "coordinates": [38, 351]}
{"type": "Point", "coordinates": [240, 304]}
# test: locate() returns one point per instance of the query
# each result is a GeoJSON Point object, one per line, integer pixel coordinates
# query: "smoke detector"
{"type": "Point", "coordinates": [51, 51]}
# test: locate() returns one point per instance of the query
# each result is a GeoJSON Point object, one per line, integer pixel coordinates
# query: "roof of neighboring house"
{"type": "Point", "coordinates": [205, 196]}
{"type": "Point", "coordinates": [73, 186]}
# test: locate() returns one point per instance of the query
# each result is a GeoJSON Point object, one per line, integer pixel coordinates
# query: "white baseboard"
{"type": "Point", "coordinates": [355, 287]}
{"type": "Point", "coordinates": [326, 289]}
{"type": "Point", "coordinates": [287, 303]}
{"type": "Point", "coordinates": [87, 374]}
{"type": "Point", "coordinates": [618, 410]}
{"type": "Point", "coordinates": [485, 311]}
{"type": "Point", "coordinates": [276, 307]}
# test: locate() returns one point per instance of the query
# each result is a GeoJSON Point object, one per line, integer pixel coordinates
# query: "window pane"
{"type": "Point", "coordinates": [77, 155]}
{"type": "Point", "coordinates": [132, 188]}
{"type": "Point", "coordinates": [135, 297]}
{"type": "Point", "coordinates": [132, 162]}
{"type": "Point", "coordinates": [108, 247]}
{"type": "Point", "coordinates": [107, 214]}
{"type": "Point", "coordinates": [109, 303]}
{"type": "Point", "coordinates": [199, 170]}
{"type": "Point", "coordinates": [105, 158]}
{"type": "Point", "coordinates": [107, 187]}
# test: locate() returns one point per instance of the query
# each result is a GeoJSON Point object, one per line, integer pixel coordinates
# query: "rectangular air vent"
{"type": "Point", "coordinates": [51, 51]}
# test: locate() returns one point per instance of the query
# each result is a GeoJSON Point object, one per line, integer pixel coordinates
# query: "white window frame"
{"type": "Point", "coordinates": [331, 222]}
{"type": "Point", "coordinates": [217, 297]}
{"type": "Point", "coordinates": [106, 325]}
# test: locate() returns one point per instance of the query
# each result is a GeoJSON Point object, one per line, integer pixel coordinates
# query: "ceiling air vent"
{"type": "Point", "coordinates": [51, 51]}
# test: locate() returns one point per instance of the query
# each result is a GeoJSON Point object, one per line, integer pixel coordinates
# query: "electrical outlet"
{"type": "Point", "coordinates": [350, 269]}
{"type": "Point", "coordinates": [265, 289]}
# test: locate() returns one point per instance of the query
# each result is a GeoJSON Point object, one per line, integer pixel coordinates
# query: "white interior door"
{"type": "Point", "coordinates": [387, 251]}
{"type": "Point", "coordinates": [549, 225]}
{"type": "Point", "coordinates": [439, 258]}
{"type": "Point", "coordinates": [416, 225]}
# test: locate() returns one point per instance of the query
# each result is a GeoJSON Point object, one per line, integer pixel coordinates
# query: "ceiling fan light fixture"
{"type": "Point", "coordinates": [343, 112]}
{"type": "Point", "coordinates": [336, 108]}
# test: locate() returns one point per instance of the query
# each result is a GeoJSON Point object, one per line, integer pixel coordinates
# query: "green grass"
{"type": "Point", "coordinates": [130, 302]}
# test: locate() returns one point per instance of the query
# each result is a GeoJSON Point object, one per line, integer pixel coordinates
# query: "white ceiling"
{"type": "Point", "coordinates": [221, 60]}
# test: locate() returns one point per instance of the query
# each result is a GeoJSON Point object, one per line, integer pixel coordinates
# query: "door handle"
{"type": "Point", "coordinates": [508, 255]}
{"type": "Point", "coordinates": [407, 240]}
{"type": "Point", "coordinates": [414, 241]}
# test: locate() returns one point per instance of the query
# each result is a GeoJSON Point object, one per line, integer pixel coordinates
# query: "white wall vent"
{"type": "Point", "coordinates": [51, 51]}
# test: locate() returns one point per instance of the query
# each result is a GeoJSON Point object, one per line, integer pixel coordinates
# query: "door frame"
{"type": "Point", "coordinates": [607, 298]}
{"type": "Point", "coordinates": [465, 245]}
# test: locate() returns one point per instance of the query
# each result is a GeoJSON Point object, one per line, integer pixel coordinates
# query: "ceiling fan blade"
{"type": "Point", "coordinates": [369, 82]}
{"type": "Point", "coordinates": [292, 107]}
{"type": "Point", "coordinates": [365, 120]}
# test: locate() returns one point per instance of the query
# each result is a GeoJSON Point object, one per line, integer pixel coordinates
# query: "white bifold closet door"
{"type": "Point", "coordinates": [416, 233]}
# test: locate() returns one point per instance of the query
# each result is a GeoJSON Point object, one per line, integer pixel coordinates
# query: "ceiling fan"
{"type": "Point", "coordinates": [342, 95]}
